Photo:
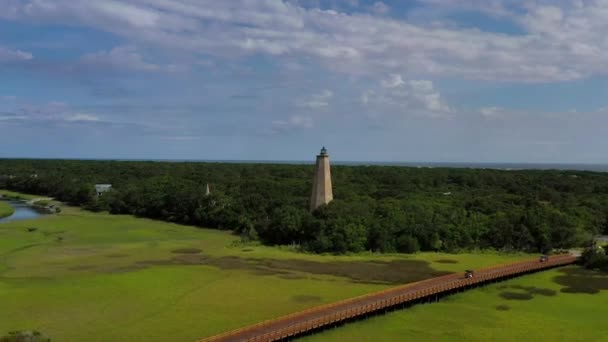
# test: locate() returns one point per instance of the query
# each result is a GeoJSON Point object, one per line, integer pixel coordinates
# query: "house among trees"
{"type": "Point", "coordinates": [101, 188]}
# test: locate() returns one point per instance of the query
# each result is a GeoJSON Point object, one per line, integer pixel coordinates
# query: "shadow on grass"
{"type": "Point", "coordinates": [306, 299]}
{"type": "Point", "coordinates": [516, 295]}
{"type": "Point", "coordinates": [525, 292]}
{"type": "Point", "coordinates": [186, 251]}
{"type": "Point", "coordinates": [533, 290]}
{"type": "Point", "coordinates": [390, 272]}
{"type": "Point", "coordinates": [117, 255]}
{"type": "Point", "coordinates": [580, 280]}
{"type": "Point", "coordinates": [82, 267]}
{"type": "Point", "coordinates": [24, 336]}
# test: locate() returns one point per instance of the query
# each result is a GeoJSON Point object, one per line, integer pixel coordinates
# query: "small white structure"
{"type": "Point", "coordinates": [101, 188]}
{"type": "Point", "coordinates": [601, 239]}
{"type": "Point", "coordinates": [207, 190]}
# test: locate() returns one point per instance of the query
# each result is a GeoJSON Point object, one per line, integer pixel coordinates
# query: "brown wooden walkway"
{"type": "Point", "coordinates": [354, 308]}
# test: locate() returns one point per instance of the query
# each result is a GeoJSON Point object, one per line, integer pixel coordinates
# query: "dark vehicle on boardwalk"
{"type": "Point", "coordinates": [468, 274]}
{"type": "Point", "coordinates": [544, 258]}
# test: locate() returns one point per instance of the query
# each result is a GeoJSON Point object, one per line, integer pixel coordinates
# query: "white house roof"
{"type": "Point", "coordinates": [103, 187]}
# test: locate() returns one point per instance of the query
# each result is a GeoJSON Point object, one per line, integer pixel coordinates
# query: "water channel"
{"type": "Point", "coordinates": [23, 211]}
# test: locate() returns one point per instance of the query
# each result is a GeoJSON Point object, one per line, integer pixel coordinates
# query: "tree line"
{"type": "Point", "coordinates": [377, 208]}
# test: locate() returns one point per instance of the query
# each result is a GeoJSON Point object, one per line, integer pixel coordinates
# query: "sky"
{"type": "Point", "coordinates": [392, 80]}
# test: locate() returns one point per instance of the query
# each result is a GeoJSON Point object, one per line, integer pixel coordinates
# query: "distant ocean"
{"type": "Point", "coordinates": [497, 166]}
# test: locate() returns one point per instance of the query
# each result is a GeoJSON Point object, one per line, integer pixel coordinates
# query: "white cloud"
{"type": "Point", "coordinates": [380, 7]}
{"type": "Point", "coordinates": [205, 63]}
{"type": "Point", "coordinates": [10, 55]}
{"type": "Point", "coordinates": [127, 13]}
{"type": "Point", "coordinates": [81, 117]}
{"type": "Point", "coordinates": [318, 101]}
{"type": "Point", "coordinates": [122, 57]}
{"type": "Point", "coordinates": [497, 8]}
{"type": "Point", "coordinates": [560, 40]}
{"type": "Point", "coordinates": [54, 111]}
{"type": "Point", "coordinates": [293, 122]}
{"type": "Point", "coordinates": [11, 116]}
{"type": "Point", "coordinates": [393, 81]}
{"type": "Point", "coordinates": [490, 112]}
{"type": "Point", "coordinates": [411, 96]}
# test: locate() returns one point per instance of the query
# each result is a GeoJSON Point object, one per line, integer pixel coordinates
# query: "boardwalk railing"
{"type": "Point", "coordinates": [326, 315]}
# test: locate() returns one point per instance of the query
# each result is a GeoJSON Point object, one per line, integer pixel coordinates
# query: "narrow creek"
{"type": "Point", "coordinates": [23, 211]}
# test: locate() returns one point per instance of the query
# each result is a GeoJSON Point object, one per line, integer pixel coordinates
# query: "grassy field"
{"type": "Point", "coordinates": [567, 304]}
{"type": "Point", "coordinates": [98, 277]}
{"type": "Point", "coordinates": [5, 209]}
{"type": "Point", "coordinates": [17, 195]}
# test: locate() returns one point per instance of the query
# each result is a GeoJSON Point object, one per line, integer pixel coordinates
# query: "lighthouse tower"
{"type": "Point", "coordinates": [321, 183]}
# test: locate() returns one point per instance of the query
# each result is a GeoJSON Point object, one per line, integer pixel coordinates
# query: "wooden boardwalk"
{"type": "Point", "coordinates": [355, 308]}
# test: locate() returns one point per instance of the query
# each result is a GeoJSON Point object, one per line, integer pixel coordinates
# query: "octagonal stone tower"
{"type": "Point", "coordinates": [321, 183]}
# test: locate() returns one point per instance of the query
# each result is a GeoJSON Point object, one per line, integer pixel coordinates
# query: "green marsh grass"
{"type": "Point", "coordinates": [5, 209]}
{"type": "Point", "coordinates": [88, 276]}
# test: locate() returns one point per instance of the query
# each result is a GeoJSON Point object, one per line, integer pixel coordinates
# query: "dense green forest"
{"type": "Point", "coordinates": [377, 208]}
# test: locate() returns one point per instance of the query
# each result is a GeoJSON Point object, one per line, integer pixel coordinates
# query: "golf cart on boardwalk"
{"type": "Point", "coordinates": [544, 258]}
{"type": "Point", "coordinates": [468, 274]}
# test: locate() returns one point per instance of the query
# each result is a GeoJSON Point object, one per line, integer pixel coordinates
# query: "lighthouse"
{"type": "Point", "coordinates": [321, 183]}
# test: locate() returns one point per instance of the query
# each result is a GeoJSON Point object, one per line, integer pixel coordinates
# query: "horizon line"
{"type": "Point", "coordinates": [295, 161]}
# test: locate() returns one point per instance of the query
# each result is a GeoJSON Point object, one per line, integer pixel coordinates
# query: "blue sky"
{"type": "Point", "coordinates": [426, 80]}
